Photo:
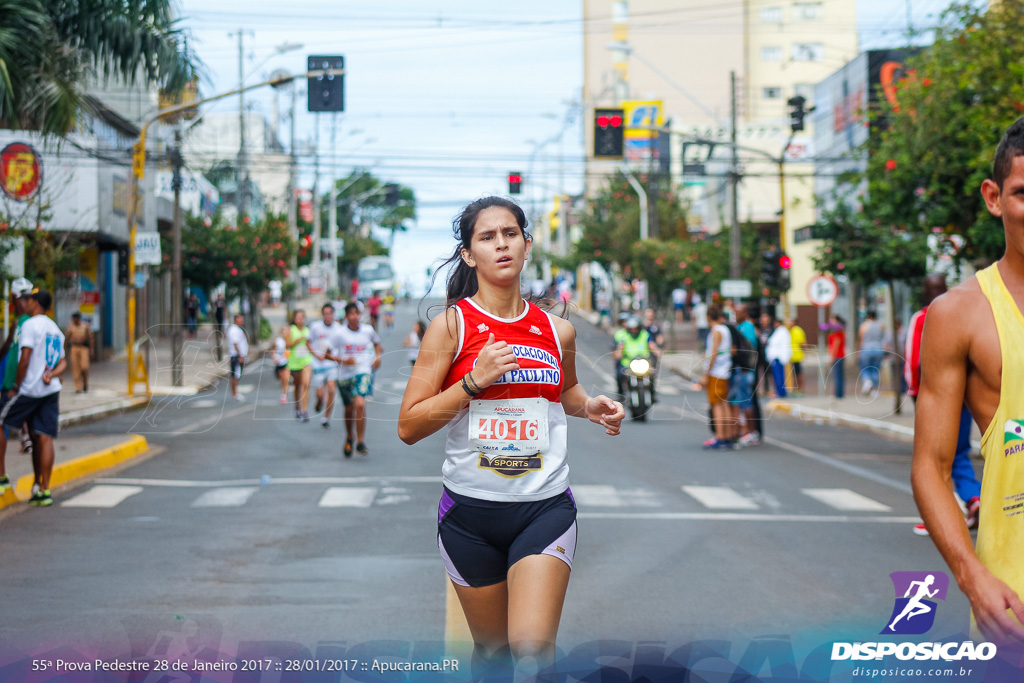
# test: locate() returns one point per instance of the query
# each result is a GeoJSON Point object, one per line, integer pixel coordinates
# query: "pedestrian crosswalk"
{"type": "Point", "coordinates": [690, 500]}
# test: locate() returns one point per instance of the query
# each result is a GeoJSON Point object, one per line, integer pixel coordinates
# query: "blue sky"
{"type": "Point", "coordinates": [444, 97]}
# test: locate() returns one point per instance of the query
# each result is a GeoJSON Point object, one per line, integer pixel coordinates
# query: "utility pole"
{"type": "Point", "coordinates": [734, 179]}
{"type": "Point", "coordinates": [243, 187]}
{"type": "Point", "coordinates": [332, 217]}
{"type": "Point", "coordinates": [317, 221]}
{"type": "Point", "coordinates": [177, 296]}
{"type": "Point", "coordinates": [293, 208]}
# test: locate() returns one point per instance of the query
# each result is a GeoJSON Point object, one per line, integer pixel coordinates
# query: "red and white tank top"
{"type": "Point", "coordinates": [510, 443]}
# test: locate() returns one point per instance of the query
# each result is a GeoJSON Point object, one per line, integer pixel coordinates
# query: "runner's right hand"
{"type": "Point", "coordinates": [998, 610]}
{"type": "Point", "coordinates": [495, 359]}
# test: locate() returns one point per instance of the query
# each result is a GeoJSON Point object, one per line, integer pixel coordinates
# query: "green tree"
{"type": "Point", "coordinates": [925, 170]}
{"type": "Point", "coordinates": [363, 200]}
{"type": "Point", "coordinates": [50, 49]}
{"type": "Point", "coordinates": [245, 258]}
{"type": "Point", "coordinates": [611, 232]}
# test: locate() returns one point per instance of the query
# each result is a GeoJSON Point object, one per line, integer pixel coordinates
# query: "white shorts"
{"type": "Point", "coordinates": [323, 375]}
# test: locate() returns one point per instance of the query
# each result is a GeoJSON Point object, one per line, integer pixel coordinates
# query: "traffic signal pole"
{"type": "Point", "coordinates": [139, 171]}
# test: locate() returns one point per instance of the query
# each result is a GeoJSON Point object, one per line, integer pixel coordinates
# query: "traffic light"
{"type": "Point", "coordinates": [775, 269]}
{"type": "Point", "coordinates": [608, 133]}
{"type": "Point", "coordinates": [514, 180]}
{"type": "Point", "coordinates": [391, 194]}
{"type": "Point", "coordinates": [326, 90]}
{"type": "Point", "coordinates": [122, 265]}
{"type": "Point", "coordinates": [785, 263]}
{"type": "Point", "coordinates": [796, 116]}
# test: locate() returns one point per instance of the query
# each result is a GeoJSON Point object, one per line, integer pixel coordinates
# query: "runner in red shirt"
{"type": "Point", "coordinates": [500, 373]}
{"type": "Point", "coordinates": [373, 306]}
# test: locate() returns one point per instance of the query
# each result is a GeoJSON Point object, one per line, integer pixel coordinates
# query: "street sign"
{"type": "Point", "coordinates": [737, 289]}
{"type": "Point", "coordinates": [822, 290]}
{"type": "Point", "coordinates": [147, 249]}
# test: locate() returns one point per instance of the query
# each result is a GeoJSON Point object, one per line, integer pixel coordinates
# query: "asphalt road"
{"type": "Point", "coordinates": [247, 532]}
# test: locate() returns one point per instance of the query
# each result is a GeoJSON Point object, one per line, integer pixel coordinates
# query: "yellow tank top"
{"type": "Point", "coordinates": [1001, 526]}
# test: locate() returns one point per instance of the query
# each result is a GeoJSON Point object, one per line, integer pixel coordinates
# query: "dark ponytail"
{"type": "Point", "coordinates": [462, 280]}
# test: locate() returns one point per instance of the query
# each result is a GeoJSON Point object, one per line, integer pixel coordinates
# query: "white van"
{"type": "Point", "coordinates": [375, 274]}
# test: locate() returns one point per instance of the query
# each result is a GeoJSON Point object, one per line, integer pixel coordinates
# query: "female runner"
{"type": "Point", "coordinates": [300, 363]}
{"type": "Point", "coordinates": [501, 374]}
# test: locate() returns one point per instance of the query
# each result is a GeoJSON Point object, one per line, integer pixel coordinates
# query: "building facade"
{"type": "Point", "coordinates": [685, 55]}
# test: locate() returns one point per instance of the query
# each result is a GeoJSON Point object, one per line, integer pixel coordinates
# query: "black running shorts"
{"type": "Point", "coordinates": [480, 540]}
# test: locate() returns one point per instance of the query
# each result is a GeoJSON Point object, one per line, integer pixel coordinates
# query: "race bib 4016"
{"type": "Point", "coordinates": [515, 426]}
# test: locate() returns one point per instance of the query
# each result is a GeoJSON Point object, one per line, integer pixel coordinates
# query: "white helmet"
{"type": "Point", "coordinates": [21, 287]}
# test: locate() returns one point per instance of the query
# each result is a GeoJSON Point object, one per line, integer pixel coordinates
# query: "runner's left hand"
{"type": "Point", "coordinates": [605, 412]}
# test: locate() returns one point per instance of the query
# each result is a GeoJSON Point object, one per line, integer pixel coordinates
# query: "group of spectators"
{"type": "Point", "coordinates": [744, 360]}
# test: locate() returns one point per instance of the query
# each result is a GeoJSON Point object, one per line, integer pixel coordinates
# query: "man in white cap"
{"type": "Point", "coordinates": [20, 291]}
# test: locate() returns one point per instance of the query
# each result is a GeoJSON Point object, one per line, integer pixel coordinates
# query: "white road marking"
{"type": "Point", "coordinates": [194, 483]}
{"type": "Point", "coordinates": [597, 495]}
{"type": "Point", "coordinates": [745, 517]}
{"type": "Point", "coordinates": [204, 403]}
{"type": "Point", "coordinates": [845, 467]}
{"type": "Point", "coordinates": [348, 497]}
{"type": "Point", "coordinates": [233, 496]}
{"type": "Point", "coordinates": [845, 499]}
{"type": "Point", "coordinates": [720, 498]}
{"type": "Point", "coordinates": [102, 497]}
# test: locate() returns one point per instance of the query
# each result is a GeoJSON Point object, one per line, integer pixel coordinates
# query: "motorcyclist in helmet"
{"type": "Point", "coordinates": [635, 343]}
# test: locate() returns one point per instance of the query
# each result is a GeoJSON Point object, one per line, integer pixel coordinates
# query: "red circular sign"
{"type": "Point", "coordinates": [21, 171]}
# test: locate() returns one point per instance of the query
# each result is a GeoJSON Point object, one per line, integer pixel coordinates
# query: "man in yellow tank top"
{"type": "Point", "coordinates": [972, 351]}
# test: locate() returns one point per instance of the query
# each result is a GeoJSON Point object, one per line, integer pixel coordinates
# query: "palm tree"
{"type": "Point", "coordinates": [49, 49]}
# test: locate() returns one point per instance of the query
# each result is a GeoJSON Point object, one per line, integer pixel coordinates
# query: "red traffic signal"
{"type": "Point", "coordinates": [515, 178]}
{"type": "Point", "coordinates": [605, 121]}
{"type": "Point", "coordinates": [608, 133]}
{"type": "Point", "coordinates": [785, 262]}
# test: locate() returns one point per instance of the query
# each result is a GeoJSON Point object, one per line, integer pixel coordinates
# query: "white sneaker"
{"type": "Point", "coordinates": [238, 397]}
{"type": "Point", "coordinates": [751, 439]}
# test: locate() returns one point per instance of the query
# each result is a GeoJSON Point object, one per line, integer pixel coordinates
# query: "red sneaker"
{"type": "Point", "coordinates": [973, 508]}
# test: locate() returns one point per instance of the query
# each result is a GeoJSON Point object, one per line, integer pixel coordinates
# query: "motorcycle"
{"type": "Point", "coordinates": [638, 387]}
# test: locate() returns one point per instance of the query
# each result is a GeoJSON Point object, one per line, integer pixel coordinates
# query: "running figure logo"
{"type": "Point", "coordinates": [914, 614]}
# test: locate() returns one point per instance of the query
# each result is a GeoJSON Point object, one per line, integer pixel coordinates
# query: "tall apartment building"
{"type": "Point", "coordinates": [681, 52]}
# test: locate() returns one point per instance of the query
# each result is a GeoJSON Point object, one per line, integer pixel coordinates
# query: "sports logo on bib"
{"type": "Point", "coordinates": [1013, 437]}
{"type": "Point", "coordinates": [509, 466]}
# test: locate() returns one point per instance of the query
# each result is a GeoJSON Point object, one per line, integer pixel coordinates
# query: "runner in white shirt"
{"type": "Point", "coordinates": [281, 362]}
{"type": "Point", "coordinates": [412, 342]}
{"type": "Point", "coordinates": [238, 350]}
{"type": "Point", "coordinates": [324, 341]}
{"type": "Point", "coordinates": [37, 401]}
{"type": "Point", "coordinates": [359, 355]}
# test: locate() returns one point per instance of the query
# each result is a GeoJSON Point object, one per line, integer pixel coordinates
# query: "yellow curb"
{"type": "Point", "coordinates": [781, 406]}
{"type": "Point", "coordinates": [79, 467]}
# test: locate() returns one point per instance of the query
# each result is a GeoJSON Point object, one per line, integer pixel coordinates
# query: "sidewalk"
{"type": "Point", "coordinates": [79, 456]}
{"type": "Point", "coordinates": [877, 414]}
